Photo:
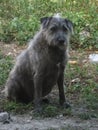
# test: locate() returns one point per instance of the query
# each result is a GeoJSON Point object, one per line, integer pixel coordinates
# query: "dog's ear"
{"type": "Point", "coordinates": [45, 21]}
{"type": "Point", "coordinates": [69, 25]}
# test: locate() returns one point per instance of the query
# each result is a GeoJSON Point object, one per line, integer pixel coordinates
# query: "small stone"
{"type": "Point", "coordinates": [60, 116]}
{"type": "Point", "coordinates": [84, 34]}
{"type": "Point", "coordinates": [4, 116]}
{"type": "Point", "coordinates": [75, 80]}
{"type": "Point", "coordinates": [28, 121]}
{"type": "Point", "coordinates": [93, 58]}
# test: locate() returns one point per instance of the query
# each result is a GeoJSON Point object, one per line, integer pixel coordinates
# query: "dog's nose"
{"type": "Point", "coordinates": [61, 40]}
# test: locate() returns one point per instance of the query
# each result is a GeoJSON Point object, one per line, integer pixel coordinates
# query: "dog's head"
{"type": "Point", "coordinates": [57, 30]}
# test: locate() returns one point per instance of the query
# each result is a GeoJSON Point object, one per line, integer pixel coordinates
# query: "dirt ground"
{"type": "Point", "coordinates": [60, 122]}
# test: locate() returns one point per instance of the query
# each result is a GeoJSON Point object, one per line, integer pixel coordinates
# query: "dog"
{"type": "Point", "coordinates": [41, 66]}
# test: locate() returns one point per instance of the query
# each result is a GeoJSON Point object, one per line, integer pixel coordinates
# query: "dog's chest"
{"type": "Point", "coordinates": [50, 79]}
{"type": "Point", "coordinates": [52, 73]}
{"type": "Point", "coordinates": [56, 55]}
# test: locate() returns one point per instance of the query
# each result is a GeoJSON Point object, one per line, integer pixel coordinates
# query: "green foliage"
{"type": "Point", "coordinates": [84, 116]}
{"type": "Point", "coordinates": [87, 115]}
{"type": "Point", "coordinates": [50, 111]}
{"type": "Point", "coordinates": [81, 82]}
{"type": "Point", "coordinates": [5, 67]}
{"type": "Point", "coordinates": [20, 19]}
{"type": "Point", "coordinates": [17, 107]}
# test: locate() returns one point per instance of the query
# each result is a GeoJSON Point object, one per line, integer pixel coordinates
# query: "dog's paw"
{"type": "Point", "coordinates": [45, 101]}
{"type": "Point", "coordinates": [66, 105]}
{"type": "Point", "coordinates": [38, 110]}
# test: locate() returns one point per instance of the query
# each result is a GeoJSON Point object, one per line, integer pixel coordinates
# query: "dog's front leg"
{"type": "Point", "coordinates": [60, 82]}
{"type": "Point", "coordinates": [38, 80]}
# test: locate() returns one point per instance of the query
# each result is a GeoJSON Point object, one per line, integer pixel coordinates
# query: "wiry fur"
{"type": "Point", "coordinates": [41, 65]}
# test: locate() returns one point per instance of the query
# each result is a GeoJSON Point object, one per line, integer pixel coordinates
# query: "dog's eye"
{"type": "Point", "coordinates": [54, 28]}
{"type": "Point", "coordinates": [65, 29]}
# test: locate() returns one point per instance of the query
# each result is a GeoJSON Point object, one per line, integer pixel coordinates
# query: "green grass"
{"type": "Point", "coordinates": [20, 19]}
{"type": "Point", "coordinates": [5, 67]}
{"type": "Point", "coordinates": [18, 108]}
{"type": "Point", "coordinates": [82, 87]}
{"type": "Point", "coordinates": [49, 110]}
{"type": "Point", "coordinates": [87, 115]}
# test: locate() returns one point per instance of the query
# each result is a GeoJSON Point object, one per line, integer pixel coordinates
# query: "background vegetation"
{"type": "Point", "coordinates": [19, 19]}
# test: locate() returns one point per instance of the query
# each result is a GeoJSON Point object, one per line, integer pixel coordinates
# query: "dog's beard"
{"type": "Point", "coordinates": [58, 45]}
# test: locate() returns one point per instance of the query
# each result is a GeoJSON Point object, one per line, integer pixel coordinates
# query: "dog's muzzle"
{"type": "Point", "coordinates": [61, 40]}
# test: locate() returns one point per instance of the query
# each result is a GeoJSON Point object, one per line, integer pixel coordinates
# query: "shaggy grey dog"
{"type": "Point", "coordinates": [41, 65]}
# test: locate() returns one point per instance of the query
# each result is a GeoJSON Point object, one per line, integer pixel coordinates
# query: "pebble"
{"type": "Point", "coordinates": [93, 58]}
{"type": "Point", "coordinates": [4, 116]}
{"type": "Point", "coordinates": [28, 121]}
